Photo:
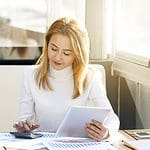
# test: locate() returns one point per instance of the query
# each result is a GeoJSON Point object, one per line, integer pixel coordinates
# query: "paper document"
{"type": "Point", "coordinates": [138, 144]}
{"type": "Point", "coordinates": [76, 118]}
{"type": "Point", "coordinates": [8, 140]}
{"type": "Point", "coordinates": [53, 142]}
{"type": "Point", "coordinates": [78, 146]}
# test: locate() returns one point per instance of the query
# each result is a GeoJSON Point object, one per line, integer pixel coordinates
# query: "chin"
{"type": "Point", "coordinates": [58, 67]}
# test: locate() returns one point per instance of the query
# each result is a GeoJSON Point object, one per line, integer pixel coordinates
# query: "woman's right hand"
{"type": "Point", "coordinates": [25, 126]}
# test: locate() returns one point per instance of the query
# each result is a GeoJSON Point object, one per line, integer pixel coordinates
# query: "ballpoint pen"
{"type": "Point", "coordinates": [4, 148]}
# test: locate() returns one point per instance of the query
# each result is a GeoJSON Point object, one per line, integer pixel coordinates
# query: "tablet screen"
{"type": "Point", "coordinates": [76, 118]}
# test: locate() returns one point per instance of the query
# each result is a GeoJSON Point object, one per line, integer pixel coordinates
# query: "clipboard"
{"type": "Point", "coordinates": [76, 118]}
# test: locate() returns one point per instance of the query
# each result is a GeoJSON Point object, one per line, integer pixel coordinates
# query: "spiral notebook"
{"type": "Point", "coordinates": [76, 118]}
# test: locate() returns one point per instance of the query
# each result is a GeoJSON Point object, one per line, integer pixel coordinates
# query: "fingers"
{"type": "Point", "coordinates": [31, 126]}
{"type": "Point", "coordinates": [22, 126]}
{"type": "Point", "coordinates": [99, 125]}
{"type": "Point", "coordinates": [35, 126]}
{"type": "Point", "coordinates": [18, 127]}
{"type": "Point", "coordinates": [96, 130]}
{"type": "Point", "coordinates": [25, 126]}
{"type": "Point", "coordinates": [93, 132]}
{"type": "Point", "coordinates": [28, 123]}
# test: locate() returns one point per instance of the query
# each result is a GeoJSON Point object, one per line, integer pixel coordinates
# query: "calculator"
{"type": "Point", "coordinates": [26, 135]}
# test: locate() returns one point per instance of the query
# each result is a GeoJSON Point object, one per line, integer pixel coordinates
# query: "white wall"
{"type": "Point", "coordinates": [10, 83]}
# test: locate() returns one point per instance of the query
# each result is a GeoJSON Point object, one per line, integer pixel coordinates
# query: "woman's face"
{"type": "Point", "coordinates": [60, 51]}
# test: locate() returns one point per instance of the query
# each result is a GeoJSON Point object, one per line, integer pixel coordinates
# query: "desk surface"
{"type": "Point", "coordinates": [119, 145]}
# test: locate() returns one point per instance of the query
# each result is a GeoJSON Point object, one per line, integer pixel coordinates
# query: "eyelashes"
{"type": "Point", "coordinates": [66, 53]}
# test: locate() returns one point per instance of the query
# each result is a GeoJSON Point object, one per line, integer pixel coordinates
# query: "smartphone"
{"type": "Point", "coordinates": [26, 135]}
{"type": "Point", "coordinates": [143, 134]}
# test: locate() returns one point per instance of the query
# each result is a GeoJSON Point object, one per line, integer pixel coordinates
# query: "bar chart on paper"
{"type": "Point", "coordinates": [53, 142]}
{"type": "Point", "coordinates": [79, 146]}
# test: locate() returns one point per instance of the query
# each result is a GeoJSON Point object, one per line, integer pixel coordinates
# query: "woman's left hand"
{"type": "Point", "coordinates": [96, 130]}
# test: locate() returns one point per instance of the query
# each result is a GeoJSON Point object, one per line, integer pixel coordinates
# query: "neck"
{"type": "Point", "coordinates": [63, 74]}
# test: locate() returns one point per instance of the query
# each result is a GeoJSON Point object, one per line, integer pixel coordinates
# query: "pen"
{"type": "Point", "coordinates": [4, 148]}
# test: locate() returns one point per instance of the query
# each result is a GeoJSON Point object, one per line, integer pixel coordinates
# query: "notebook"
{"type": "Point", "coordinates": [76, 118]}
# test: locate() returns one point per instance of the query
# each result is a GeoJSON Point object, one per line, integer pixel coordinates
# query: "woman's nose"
{"type": "Point", "coordinates": [58, 55]}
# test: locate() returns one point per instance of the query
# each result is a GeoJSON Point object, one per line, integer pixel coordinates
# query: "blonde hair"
{"type": "Point", "coordinates": [80, 43]}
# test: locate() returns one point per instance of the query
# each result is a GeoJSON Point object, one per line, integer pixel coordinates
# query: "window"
{"type": "Point", "coordinates": [131, 36]}
{"type": "Point", "coordinates": [132, 26]}
{"type": "Point", "coordinates": [26, 14]}
{"type": "Point", "coordinates": [23, 24]}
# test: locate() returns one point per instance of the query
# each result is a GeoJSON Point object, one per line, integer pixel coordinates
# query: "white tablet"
{"type": "Point", "coordinates": [76, 118]}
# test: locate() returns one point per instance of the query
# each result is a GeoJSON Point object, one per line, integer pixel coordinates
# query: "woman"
{"type": "Point", "coordinates": [61, 79]}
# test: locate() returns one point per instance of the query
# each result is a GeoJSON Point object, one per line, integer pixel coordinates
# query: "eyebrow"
{"type": "Point", "coordinates": [58, 47]}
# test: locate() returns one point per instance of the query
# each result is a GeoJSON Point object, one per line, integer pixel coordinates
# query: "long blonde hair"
{"type": "Point", "coordinates": [80, 43]}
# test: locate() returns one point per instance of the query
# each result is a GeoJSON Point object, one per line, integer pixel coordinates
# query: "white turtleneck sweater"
{"type": "Point", "coordinates": [49, 107]}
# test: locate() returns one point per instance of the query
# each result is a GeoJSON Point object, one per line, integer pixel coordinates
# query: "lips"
{"type": "Point", "coordinates": [57, 63]}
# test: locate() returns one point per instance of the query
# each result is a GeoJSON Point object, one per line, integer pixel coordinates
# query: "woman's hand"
{"type": "Point", "coordinates": [96, 130]}
{"type": "Point", "coordinates": [25, 126]}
